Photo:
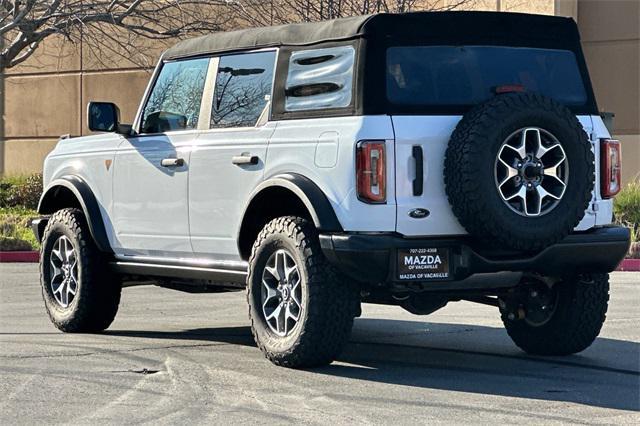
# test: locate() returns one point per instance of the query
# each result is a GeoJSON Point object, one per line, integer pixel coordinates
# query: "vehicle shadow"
{"type": "Point", "coordinates": [483, 361]}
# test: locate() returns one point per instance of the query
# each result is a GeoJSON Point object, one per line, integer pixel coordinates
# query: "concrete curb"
{"type": "Point", "coordinates": [629, 265]}
{"type": "Point", "coordinates": [19, 256]}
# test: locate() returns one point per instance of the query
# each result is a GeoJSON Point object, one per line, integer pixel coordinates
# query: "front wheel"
{"type": "Point", "coordinates": [79, 292]}
{"type": "Point", "coordinates": [562, 320]}
{"type": "Point", "coordinates": [301, 309]}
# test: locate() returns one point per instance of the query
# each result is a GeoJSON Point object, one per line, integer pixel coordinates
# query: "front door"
{"type": "Point", "coordinates": [150, 210]}
{"type": "Point", "coordinates": [150, 194]}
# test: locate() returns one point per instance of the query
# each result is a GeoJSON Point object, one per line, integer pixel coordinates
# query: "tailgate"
{"type": "Point", "coordinates": [431, 134]}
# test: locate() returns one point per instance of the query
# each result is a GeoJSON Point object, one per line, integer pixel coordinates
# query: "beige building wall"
{"type": "Point", "coordinates": [610, 33]}
{"type": "Point", "coordinates": [46, 97]}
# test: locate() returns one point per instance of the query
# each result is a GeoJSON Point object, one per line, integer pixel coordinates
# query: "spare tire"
{"type": "Point", "coordinates": [519, 171]}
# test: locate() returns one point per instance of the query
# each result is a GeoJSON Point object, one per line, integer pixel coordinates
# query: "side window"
{"type": "Point", "coordinates": [320, 79]}
{"type": "Point", "coordinates": [243, 89]}
{"type": "Point", "coordinates": [174, 103]}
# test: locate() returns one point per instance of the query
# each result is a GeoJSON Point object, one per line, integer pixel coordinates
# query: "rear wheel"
{"type": "Point", "coordinates": [561, 320]}
{"type": "Point", "coordinates": [301, 309]}
{"type": "Point", "coordinates": [79, 292]}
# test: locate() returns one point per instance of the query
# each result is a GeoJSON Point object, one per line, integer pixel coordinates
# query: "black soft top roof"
{"type": "Point", "coordinates": [445, 27]}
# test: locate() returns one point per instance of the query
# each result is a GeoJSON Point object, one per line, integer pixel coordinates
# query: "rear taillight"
{"type": "Point", "coordinates": [371, 176]}
{"type": "Point", "coordinates": [610, 167]}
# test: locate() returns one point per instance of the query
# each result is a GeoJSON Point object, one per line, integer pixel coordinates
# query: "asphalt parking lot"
{"type": "Point", "coordinates": [173, 357]}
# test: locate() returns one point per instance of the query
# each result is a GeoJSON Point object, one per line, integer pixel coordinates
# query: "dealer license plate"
{"type": "Point", "coordinates": [423, 264]}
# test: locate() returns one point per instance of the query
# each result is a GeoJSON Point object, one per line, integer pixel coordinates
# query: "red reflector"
{"type": "Point", "coordinates": [508, 88]}
{"type": "Point", "coordinates": [371, 176]}
{"type": "Point", "coordinates": [610, 167]}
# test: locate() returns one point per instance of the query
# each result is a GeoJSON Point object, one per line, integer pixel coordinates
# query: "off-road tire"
{"type": "Point", "coordinates": [576, 322]}
{"type": "Point", "coordinates": [469, 171]}
{"type": "Point", "coordinates": [328, 301]}
{"type": "Point", "coordinates": [95, 304]}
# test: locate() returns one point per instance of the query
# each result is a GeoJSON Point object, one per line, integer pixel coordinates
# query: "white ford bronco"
{"type": "Point", "coordinates": [413, 159]}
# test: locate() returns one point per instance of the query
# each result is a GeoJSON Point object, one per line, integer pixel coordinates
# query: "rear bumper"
{"type": "Point", "coordinates": [372, 258]}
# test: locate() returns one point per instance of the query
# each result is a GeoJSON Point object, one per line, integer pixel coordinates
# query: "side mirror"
{"type": "Point", "coordinates": [105, 117]}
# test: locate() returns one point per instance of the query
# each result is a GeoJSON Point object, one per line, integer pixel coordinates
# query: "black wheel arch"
{"type": "Point", "coordinates": [73, 191]}
{"type": "Point", "coordinates": [287, 194]}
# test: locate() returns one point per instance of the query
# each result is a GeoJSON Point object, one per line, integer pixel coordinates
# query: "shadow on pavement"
{"type": "Point", "coordinates": [465, 358]}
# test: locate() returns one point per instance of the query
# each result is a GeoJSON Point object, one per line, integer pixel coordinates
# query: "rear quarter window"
{"type": "Point", "coordinates": [468, 75]}
{"type": "Point", "coordinates": [320, 79]}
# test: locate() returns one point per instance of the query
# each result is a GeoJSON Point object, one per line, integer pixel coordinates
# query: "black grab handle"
{"type": "Point", "coordinates": [418, 181]}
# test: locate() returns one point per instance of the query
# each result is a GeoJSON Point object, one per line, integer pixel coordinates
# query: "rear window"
{"type": "Point", "coordinates": [468, 75]}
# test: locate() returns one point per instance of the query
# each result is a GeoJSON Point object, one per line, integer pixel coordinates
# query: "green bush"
{"type": "Point", "coordinates": [626, 208]}
{"type": "Point", "coordinates": [21, 191]}
{"type": "Point", "coordinates": [14, 244]}
{"type": "Point", "coordinates": [626, 205]}
{"type": "Point", "coordinates": [19, 196]}
{"type": "Point", "coordinates": [15, 229]}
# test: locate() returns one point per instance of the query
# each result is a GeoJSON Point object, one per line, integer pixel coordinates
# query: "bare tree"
{"type": "Point", "coordinates": [112, 28]}
{"type": "Point", "coordinates": [274, 12]}
{"type": "Point", "coordinates": [24, 24]}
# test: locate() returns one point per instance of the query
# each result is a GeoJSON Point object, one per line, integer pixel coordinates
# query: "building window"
{"type": "Point", "coordinates": [243, 89]}
{"type": "Point", "coordinates": [174, 102]}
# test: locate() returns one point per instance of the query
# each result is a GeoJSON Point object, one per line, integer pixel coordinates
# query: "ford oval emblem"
{"type": "Point", "coordinates": [419, 213]}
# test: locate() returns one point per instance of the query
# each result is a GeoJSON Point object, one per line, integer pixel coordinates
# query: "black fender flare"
{"type": "Point", "coordinates": [313, 198]}
{"type": "Point", "coordinates": [88, 202]}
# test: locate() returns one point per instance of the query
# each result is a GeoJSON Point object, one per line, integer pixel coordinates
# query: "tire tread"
{"type": "Point", "coordinates": [329, 319]}
{"type": "Point", "coordinates": [99, 291]}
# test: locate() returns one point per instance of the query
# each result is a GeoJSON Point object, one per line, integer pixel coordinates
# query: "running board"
{"type": "Point", "coordinates": [179, 271]}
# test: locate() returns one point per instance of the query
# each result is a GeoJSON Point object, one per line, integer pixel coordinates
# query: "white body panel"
{"type": "Point", "coordinates": [323, 150]}
{"type": "Point", "coordinates": [219, 190]}
{"type": "Point", "coordinates": [150, 212]}
{"type": "Point", "coordinates": [195, 211]}
{"type": "Point", "coordinates": [602, 208]}
{"type": "Point", "coordinates": [432, 133]}
{"type": "Point", "coordinates": [88, 158]}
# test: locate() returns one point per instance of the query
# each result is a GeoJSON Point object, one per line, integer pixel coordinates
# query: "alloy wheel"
{"type": "Point", "coordinates": [64, 271]}
{"type": "Point", "coordinates": [531, 171]}
{"type": "Point", "coordinates": [281, 293]}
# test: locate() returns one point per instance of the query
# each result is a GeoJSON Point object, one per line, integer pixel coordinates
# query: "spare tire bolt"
{"type": "Point", "coordinates": [534, 294]}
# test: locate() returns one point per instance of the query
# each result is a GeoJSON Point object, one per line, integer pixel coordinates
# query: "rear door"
{"type": "Point", "coordinates": [228, 159]}
{"type": "Point", "coordinates": [444, 82]}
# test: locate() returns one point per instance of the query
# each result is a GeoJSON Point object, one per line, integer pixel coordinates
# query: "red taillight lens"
{"type": "Point", "coordinates": [610, 167]}
{"type": "Point", "coordinates": [371, 176]}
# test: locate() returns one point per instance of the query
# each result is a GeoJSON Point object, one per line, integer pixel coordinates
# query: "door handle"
{"type": "Point", "coordinates": [418, 181]}
{"type": "Point", "coordinates": [245, 158]}
{"type": "Point", "coordinates": [172, 162]}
